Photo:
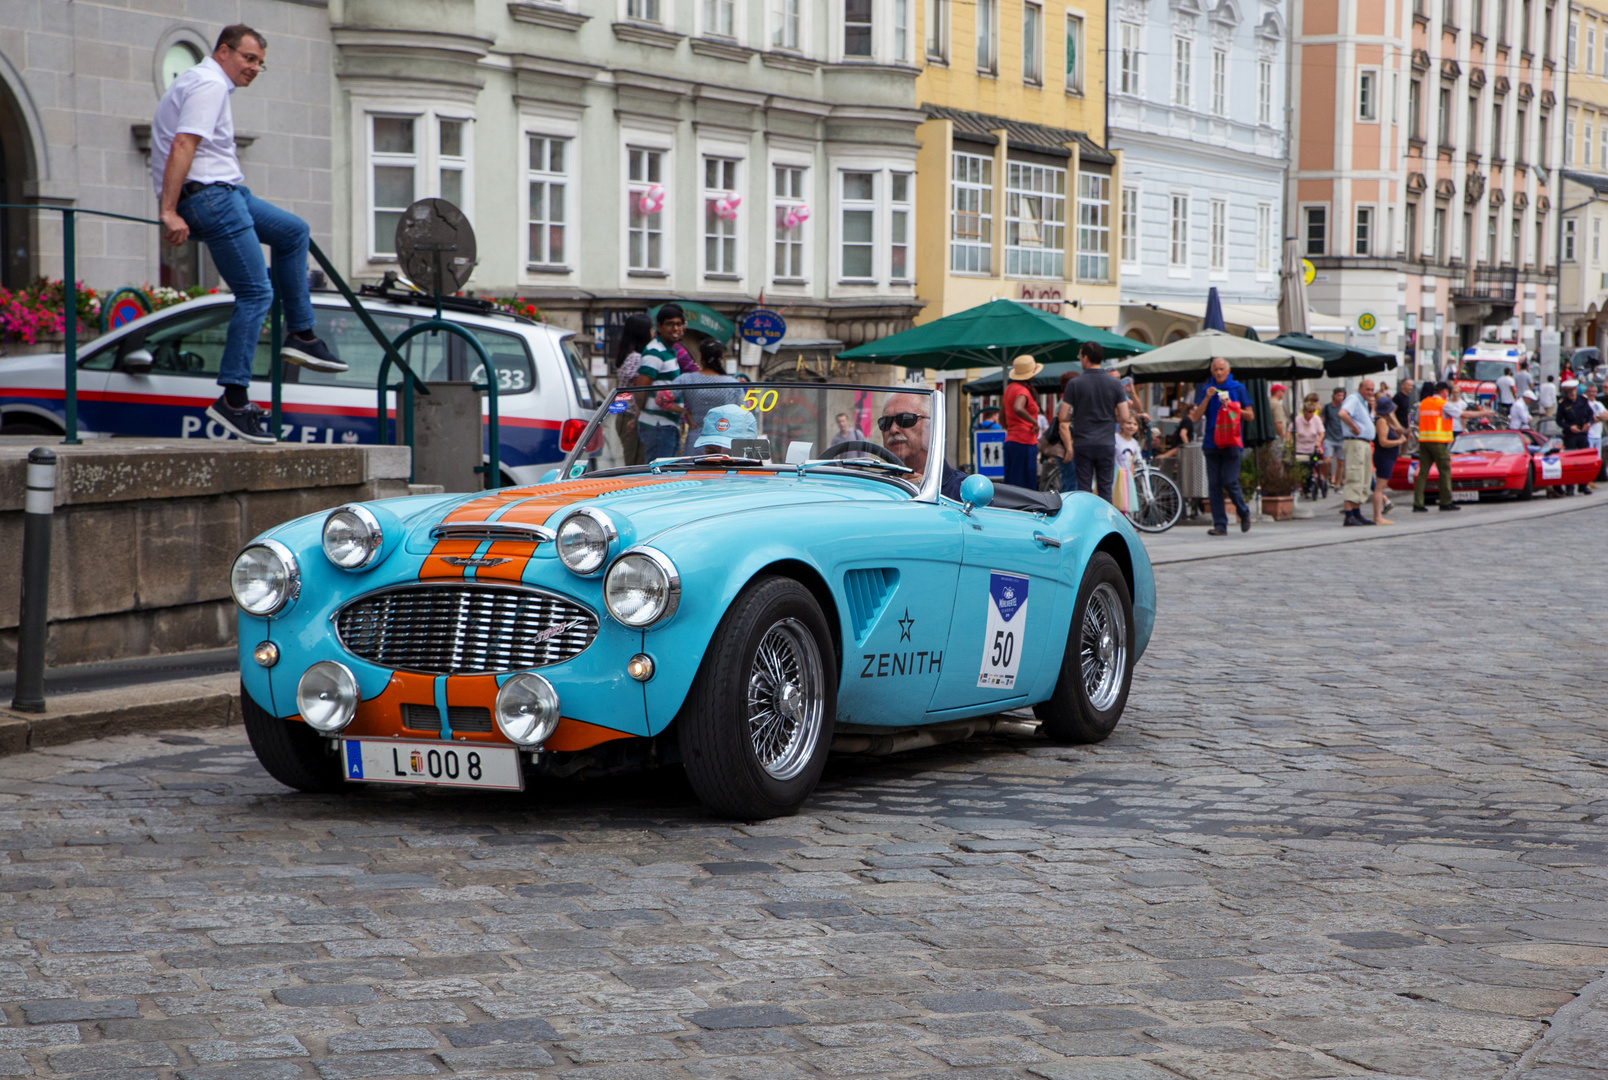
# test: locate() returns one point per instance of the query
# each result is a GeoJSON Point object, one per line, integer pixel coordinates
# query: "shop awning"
{"type": "Point", "coordinates": [705, 320]}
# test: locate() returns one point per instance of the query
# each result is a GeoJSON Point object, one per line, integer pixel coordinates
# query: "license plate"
{"type": "Point", "coordinates": [1465, 496]}
{"type": "Point", "coordinates": [444, 764]}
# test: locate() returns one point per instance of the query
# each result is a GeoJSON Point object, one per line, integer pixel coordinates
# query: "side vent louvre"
{"type": "Point", "coordinates": [868, 592]}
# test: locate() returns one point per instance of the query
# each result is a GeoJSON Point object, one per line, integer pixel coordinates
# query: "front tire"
{"type": "Point", "coordinates": [758, 721]}
{"type": "Point", "coordinates": [1528, 490]}
{"type": "Point", "coordinates": [1097, 667]}
{"type": "Point", "coordinates": [293, 753]}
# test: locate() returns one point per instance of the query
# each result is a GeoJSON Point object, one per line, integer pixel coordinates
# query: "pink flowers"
{"type": "Point", "coordinates": [31, 313]}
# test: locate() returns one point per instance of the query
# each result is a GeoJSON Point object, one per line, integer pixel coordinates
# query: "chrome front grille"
{"type": "Point", "coordinates": [461, 629]}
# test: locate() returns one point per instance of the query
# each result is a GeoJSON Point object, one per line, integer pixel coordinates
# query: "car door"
{"type": "Point", "coordinates": [1005, 601]}
{"type": "Point", "coordinates": [171, 400]}
{"type": "Point", "coordinates": [896, 570]}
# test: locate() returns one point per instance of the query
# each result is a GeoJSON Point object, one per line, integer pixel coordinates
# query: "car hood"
{"type": "Point", "coordinates": [644, 506]}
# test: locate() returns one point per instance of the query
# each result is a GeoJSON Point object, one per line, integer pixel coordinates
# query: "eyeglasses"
{"type": "Point", "coordinates": [905, 420]}
{"type": "Point", "coordinates": [254, 59]}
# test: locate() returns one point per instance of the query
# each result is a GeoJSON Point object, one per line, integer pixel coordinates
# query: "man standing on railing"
{"type": "Point", "coordinates": [202, 195]}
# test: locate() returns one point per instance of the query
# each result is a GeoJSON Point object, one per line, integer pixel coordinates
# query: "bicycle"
{"type": "Point", "coordinates": [1158, 503]}
{"type": "Point", "coordinates": [1316, 485]}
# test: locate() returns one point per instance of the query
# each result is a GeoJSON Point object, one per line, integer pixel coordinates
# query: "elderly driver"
{"type": "Point", "coordinates": [904, 425]}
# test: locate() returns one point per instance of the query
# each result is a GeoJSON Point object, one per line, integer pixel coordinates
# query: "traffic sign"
{"type": "Point", "coordinates": [762, 327]}
{"type": "Point", "coordinates": [1308, 271]}
{"type": "Point", "coordinates": [988, 453]}
{"type": "Point", "coordinates": [1367, 321]}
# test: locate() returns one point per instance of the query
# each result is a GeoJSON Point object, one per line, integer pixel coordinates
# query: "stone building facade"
{"type": "Point", "coordinates": [1582, 256]}
{"type": "Point", "coordinates": [79, 83]}
{"type": "Point", "coordinates": [616, 153]}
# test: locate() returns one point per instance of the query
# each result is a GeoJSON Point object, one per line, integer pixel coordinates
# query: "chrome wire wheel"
{"type": "Point", "coordinates": [786, 697]}
{"type": "Point", "coordinates": [1103, 647]}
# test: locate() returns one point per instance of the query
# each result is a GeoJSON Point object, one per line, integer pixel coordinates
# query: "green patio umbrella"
{"type": "Point", "coordinates": [991, 335]}
{"type": "Point", "coordinates": [1339, 361]}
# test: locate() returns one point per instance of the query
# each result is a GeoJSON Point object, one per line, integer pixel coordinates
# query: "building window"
{"type": "Point", "coordinates": [1074, 54]}
{"type": "Point", "coordinates": [645, 10]}
{"type": "Point", "coordinates": [1538, 252]}
{"type": "Point", "coordinates": [1094, 227]}
{"type": "Point", "coordinates": [1264, 91]}
{"type": "Point", "coordinates": [1128, 58]}
{"type": "Point", "coordinates": [1035, 221]}
{"type": "Point", "coordinates": [1541, 141]}
{"type": "Point", "coordinates": [1315, 229]}
{"type": "Point", "coordinates": [1182, 56]}
{"type": "Point", "coordinates": [1496, 130]}
{"type": "Point", "coordinates": [1130, 225]}
{"type": "Point", "coordinates": [1502, 22]}
{"type": "Point", "coordinates": [1525, 45]}
{"type": "Point", "coordinates": [1437, 235]}
{"type": "Point", "coordinates": [1368, 95]}
{"type": "Point", "coordinates": [901, 231]}
{"type": "Point", "coordinates": [1569, 240]}
{"type": "Point", "coordinates": [1476, 19]}
{"type": "Point", "coordinates": [857, 27]}
{"type": "Point", "coordinates": [1569, 140]}
{"type": "Point", "coordinates": [1178, 235]}
{"type": "Point", "coordinates": [1518, 137]}
{"type": "Point", "coordinates": [938, 30]}
{"type": "Point", "coordinates": [1033, 44]}
{"type": "Point", "coordinates": [1364, 236]}
{"type": "Point", "coordinates": [547, 186]}
{"type": "Point", "coordinates": [1448, 14]}
{"type": "Point", "coordinates": [1415, 109]}
{"type": "Point", "coordinates": [1548, 19]}
{"type": "Point", "coordinates": [1516, 250]}
{"type": "Point", "coordinates": [1219, 82]}
{"type": "Point", "coordinates": [1443, 130]}
{"type": "Point", "coordinates": [901, 31]}
{"type": "Point", "coordinates": [1591, 49]}
{"type": "Point", "coordinates": [789, 192]}
{"type": "Point", "coordinates": [1602, 145]}
{"type": "Point", "coordinates": [1265, 240]}
{"type": "Point", "coordinates": [1410, 228]}
{"type": "Point", "coordinates": [644, 231]}
{"type": "Point", "coordinates": [1490, 240]}
{"type": "Point", "coordinates": [971, 230]}
{"type": "Point", "coordinates": [859, 226]}
{"type": "Point", "coordinates": [987, 34]}
{"type": "Point", "coordinates": [1590, 147]}
{"type": "Point", "coordinates": [786, 17]}
{"type": "Point", "coordinates": [720, 218]}
{"type": "Point", "coordinates": [451, 160]}
{"type": "Point", "coordinates": [1603, 67]}
{"type": "Point", "coordinates": [1473, 124]}
{"type": "Point", "coordinates": [394, 170]}
{"type": "Point", "coordinates": [720, 17]}
{"type": "Point", "coordinates": [1596, 240]}
{"type": "Point", "coordinates": [1217, 251]}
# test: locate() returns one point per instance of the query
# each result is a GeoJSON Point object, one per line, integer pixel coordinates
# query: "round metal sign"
{"type": "Point", "coordinates": [435, 246]}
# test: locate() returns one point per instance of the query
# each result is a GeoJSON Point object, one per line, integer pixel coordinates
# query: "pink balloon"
{"type": "Point", "coordinates": [651, 201]}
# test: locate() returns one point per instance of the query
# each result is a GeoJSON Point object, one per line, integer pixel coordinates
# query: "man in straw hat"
{"type": "Point", "coordinates": [1022, 424]}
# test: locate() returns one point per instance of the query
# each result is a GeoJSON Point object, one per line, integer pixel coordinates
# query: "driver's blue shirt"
{"type": "Point", "coordinates": [950, 487]}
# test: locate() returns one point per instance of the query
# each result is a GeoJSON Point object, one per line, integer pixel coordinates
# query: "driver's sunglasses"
{"type": "Point", "coordinates": [905, 420]}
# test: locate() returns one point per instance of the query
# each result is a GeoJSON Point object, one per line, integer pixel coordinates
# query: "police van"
{"type": "Point", "coordinates": [156, 376]}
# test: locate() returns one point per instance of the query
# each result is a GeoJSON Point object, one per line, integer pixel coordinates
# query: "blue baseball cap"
{"type": "Point", "coordinates": [725, 423]}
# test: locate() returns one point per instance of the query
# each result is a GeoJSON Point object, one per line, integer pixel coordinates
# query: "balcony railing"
{"type": "Point", "coordinates": [1488, 284]}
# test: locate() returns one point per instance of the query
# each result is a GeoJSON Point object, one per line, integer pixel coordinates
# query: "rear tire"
{"type": "Point", "coordinates": [757, 723]}
{"type": "Point", "coordinates": [1097, 667]}
{"type": "Point", "coordinates": [293, 753]}
{"type": "Point", "coordinates": [28, 427]}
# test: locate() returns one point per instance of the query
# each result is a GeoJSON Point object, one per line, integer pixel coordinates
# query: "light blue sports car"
{"type": "Point", "coordinates": [792, 568]}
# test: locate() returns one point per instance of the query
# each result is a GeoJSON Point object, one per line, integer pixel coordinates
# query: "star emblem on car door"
{"type": "Point", "coordinates": [904, 626]}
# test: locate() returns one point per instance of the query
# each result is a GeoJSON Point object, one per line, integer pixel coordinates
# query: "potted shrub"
{"type": "Point", "coordinates": [1278, 481]}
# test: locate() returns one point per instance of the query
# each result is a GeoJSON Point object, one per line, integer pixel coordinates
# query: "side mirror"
{"type": "Point", "coordinates": [138, 362]}
{"type": "Point", "coordinates": [976, 490]}
{"type": "Point", "coordinates": [570, 434]}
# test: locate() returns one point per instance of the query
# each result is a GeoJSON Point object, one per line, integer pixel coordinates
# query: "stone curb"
{"type": "Point", "coordinates": [213, 701]}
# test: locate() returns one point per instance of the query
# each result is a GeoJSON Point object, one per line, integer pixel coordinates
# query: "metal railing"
{"type": "Point", "coordinates": [393, 354]}
{"type": "Point", "coordinates": [1492, 284]}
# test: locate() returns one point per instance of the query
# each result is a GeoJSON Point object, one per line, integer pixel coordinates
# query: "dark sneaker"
{"type": "Point", "coordinates": [244, 423]}
{"type": "Point", "coordinates": [1420, 509]}
{"type": "Point", "coordinates": [313, 355]}
{"type": "Point", "coordinates": [1245, 524]}
{"type": "Point", "coordinates": [1450, 507]}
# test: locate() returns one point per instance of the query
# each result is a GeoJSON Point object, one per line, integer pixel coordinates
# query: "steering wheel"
{"type": "Point", "coordinates": [192, 361]}
{"type": "Point", "coordinates": [839, 449]}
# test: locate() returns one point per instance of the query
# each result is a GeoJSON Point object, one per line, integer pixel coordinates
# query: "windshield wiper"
{"type": "Point", "coordinates": [710, 462]}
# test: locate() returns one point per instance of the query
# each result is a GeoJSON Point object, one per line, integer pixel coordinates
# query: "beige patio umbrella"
{"type": "Point", "coordinates": [1191, 358]}
{"type": "Point", "coordinates": [1292, 291]}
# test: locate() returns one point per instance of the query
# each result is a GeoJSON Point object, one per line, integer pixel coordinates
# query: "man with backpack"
{"type": "Point", "coordinates": [1226, 406]}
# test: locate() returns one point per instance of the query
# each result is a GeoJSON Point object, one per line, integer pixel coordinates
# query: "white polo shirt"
{"type": "Point", "coordinates": [197, 104]}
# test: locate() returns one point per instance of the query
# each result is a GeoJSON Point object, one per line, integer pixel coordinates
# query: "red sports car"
{"type": "Point", "coordinates": [1512, 463]}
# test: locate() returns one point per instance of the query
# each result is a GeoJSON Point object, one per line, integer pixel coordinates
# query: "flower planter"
{"type": "Point", "coordinates": [1279, 507]}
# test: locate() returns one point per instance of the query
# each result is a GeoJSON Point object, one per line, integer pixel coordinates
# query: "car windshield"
{"type": "Point", "coordinates": [1486, 370]}
{"type": "Point", "coordinates": [702, 421]}
{"type": "Point", "coordinates": [1496, 442]}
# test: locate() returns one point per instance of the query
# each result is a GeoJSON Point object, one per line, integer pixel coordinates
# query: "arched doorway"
{"type": "Point", "coordinates": [18, 261]}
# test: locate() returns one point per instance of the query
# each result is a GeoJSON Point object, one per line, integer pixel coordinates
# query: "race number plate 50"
{"type": "Point", "coordinates": [1003, 630]}
{"type": "Point", "coordinates": [447, 764]}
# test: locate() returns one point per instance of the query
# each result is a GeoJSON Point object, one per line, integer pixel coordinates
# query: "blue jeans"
{"type": "Point", "coordinates": [659, 440]}
{"type": "Point", "coordinates": [1069, 476]}
{"type": "Point", "coordinates": [234, 224]}
{"type": "Point", "coordinates": [1021, 465]}
{"type": "Point", "coordinates": [1223, 472]}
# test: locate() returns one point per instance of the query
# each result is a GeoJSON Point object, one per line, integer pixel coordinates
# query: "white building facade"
{"type": "Point", "coordinates": [1196, 97]}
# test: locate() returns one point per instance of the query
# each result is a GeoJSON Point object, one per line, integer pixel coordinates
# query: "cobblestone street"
{"type": "Point", "coordinates": [1352, 824]}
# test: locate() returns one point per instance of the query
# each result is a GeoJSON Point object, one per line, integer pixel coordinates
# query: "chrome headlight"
{"type": "Point", "coordinates": [264, 578]}
{"type": "Point", "coordinates": [527, 710]}
{"type": "Point", "coordinates": [642, 588]}
{"type": "Point", "coordinates": [326, 697]}
{"type": "Point", "coordinates": [583, 540]}
{"type": "Point", "coordinates": [352, 537]}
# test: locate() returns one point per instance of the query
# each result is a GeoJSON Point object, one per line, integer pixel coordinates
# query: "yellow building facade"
{"type": "Point", "coordinates": [1014, 185]}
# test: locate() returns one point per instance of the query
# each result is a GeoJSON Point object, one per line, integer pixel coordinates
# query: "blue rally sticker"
{"type": "Point", "coordinates": [620, 403]}
{"type": "Point", "coordinates": [1003, 630]}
